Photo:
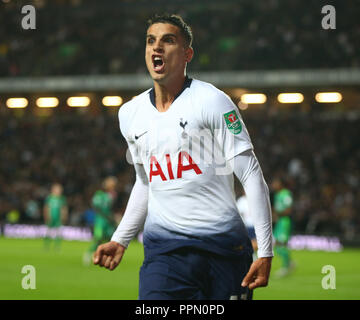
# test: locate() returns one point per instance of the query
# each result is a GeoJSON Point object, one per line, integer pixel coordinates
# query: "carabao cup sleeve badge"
{"type": "Point", "coordinates": [233, 122]}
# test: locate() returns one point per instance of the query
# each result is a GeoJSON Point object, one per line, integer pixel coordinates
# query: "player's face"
{"type": "Point", "coordinates": [57, 190]}
{"type": "Point", "coordinates": [166, 54]}
{"type": "Point", "coordinates": [110, 185]}
{"type": "Point", "coordinates": [276, 185]}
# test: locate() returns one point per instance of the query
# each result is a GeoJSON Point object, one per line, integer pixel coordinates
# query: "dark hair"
{"type": "Point", "coordinates": [175, 20]}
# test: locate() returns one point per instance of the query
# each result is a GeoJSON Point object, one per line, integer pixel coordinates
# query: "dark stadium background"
{"type": "Point", "coordinates": [96, 49]}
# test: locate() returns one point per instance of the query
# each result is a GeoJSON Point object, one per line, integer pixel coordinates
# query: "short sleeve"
{"type": "Point", "coordinates": [95, 200]}
{"type": "Point", "coordinates": [286, 201]}
{"type": "Point", "coordinates": [134, 151]}
{"type": "Point", "coordinates": [124, 124]}
{"type": "Point", "coordinates": [223, 118]}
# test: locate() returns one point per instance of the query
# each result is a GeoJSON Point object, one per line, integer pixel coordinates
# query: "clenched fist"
{"type": "Point", "coordinates": [109, 255]}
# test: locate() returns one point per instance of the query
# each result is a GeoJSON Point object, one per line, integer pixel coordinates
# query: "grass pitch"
{"type": "Point", "coordinates": [62, 275]}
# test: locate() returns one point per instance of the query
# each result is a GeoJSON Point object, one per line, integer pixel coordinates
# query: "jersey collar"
{"type": "Point", "coordinates": [187, 84]}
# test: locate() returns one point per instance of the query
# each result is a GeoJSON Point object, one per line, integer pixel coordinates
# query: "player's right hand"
{"type": "Point", "coordinates": [109, 255]}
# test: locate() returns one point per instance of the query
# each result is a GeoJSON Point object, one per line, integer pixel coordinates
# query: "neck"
{"type": "Point", "coordinates": [165, 93]}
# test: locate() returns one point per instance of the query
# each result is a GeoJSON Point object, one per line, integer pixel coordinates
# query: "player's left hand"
{"type": "Point", "coordinates": [258, 275]}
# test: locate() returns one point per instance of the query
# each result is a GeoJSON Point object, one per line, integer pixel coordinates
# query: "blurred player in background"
{"type": "Point", "coordinates": [282, 208]}
{"type": "Point", "coordinates": [55, 215]}
{"type": "Point", "coordinates": [195, 243]}
{"type": "Point", "coordinates": [104, 224]}
{"type": "Point", "coordinates": [243, 207]}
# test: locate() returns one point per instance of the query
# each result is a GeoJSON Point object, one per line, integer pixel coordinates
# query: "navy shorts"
{"type": "Point", "coordinates": [193, 274]}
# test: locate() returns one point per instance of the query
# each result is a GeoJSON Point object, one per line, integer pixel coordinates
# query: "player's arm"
{"type": "Point", "coordinates": [46, 213]}
{"type": "Point", "coordinates": [284, 213]}
{"type": "Point", "coordinates": [64, 213]}
{"type": "Point", "coordinates": [110, 254]}
{"type": "Point", "coordinates": [247, 170]}
{"type": "Point", "coordinates": [136, 210]}
{"type": "Point", "coordinates": [274, 215]}
{"type": "Point", "coordinates": [222, 117]}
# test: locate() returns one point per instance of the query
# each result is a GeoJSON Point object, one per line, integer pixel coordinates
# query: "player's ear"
{"type": "Point", "coordinates": [189, 53]}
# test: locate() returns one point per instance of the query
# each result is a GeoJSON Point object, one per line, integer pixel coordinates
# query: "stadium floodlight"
{"type": "Point", "coordinates": [112, 101]}
{"type": "Point", "coordinates": [328, 97]}
{"type": "Point", "coordinates": [249, 98]}
{"type": "Point", "coordinates": [17, 102]}
{"type": "Point", "coordinates": [294, 97]}
{"type": "Point", "coordinates": [47, 102]}
{"type": "Point", "coordinates": [78, 101]}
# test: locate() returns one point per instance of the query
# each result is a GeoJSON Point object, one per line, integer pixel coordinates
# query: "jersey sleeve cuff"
{"type": "Point", "coordinates": [120, 241]}
{"type": "Point", "coordinates": [265, 254]}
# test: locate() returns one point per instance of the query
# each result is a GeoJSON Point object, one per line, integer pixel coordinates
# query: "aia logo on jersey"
{"type": "Point", "coordinates": [156, 170]}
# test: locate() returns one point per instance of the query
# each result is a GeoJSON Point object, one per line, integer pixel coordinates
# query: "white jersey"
{"type": "Point", "coordinates": [184, 151]}
{"type": "Point", "coordinates": [244, 211]}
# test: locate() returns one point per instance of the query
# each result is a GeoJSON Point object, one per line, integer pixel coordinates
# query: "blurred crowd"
{"type": "Point", "coordinates": [75, 150]}
{"type": "Point", "coordinates": [90, 37]}
{"type": "Point", "coordinates": [317, 156]}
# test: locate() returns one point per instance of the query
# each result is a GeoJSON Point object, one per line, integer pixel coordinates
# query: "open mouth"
{"type": "Point", "coordinates": [158, 63]}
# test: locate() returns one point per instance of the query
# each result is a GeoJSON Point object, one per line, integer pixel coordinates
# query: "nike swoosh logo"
{"type": "Point", "coordinates": [137, 137]}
